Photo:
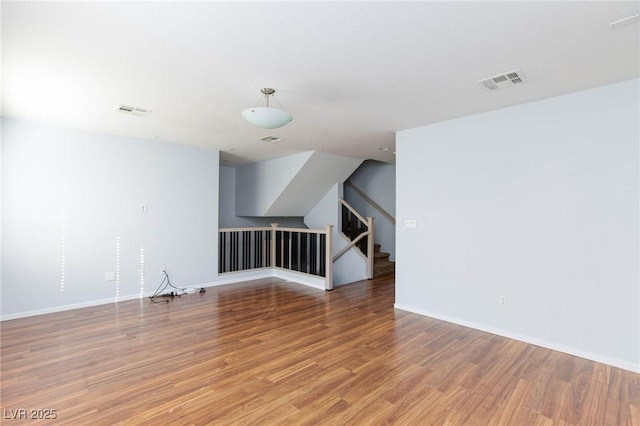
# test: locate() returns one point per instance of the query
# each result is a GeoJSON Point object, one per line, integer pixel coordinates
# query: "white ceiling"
{"type": "Point", "coordinates": [350, 73]}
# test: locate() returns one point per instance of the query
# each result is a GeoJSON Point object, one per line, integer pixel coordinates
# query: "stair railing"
{"type": "Point", "coordinates": [359, 231]}
{"type": "Point", "coordinates": [368, 199]}
{"type": "Point", "coordinates": [306, 251]}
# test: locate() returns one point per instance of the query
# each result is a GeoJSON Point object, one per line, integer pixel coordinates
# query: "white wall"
{"type": "Point", "coordinates": [227, 217]}
{"type": "Point", "coordinates": [289, 186]}
{"type": "Point", "coordinates": [537, 202]}
{"type": "Point", "coordinates": [378, 181]}
{"type": "Point", "coordinates": [319, 174]}
{"type": "Point", "coordinates": [258, 185]}
{"type": "Point", "coordinates": [351, 266]}
{"type": "Point", "coordinates": [69, 195]}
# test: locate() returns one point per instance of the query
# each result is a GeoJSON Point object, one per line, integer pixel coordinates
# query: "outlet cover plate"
{"type": "Point", "coordinates": [410, 223]}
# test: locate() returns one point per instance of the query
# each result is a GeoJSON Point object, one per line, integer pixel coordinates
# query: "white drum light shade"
{"type": "Point", "coordinates": [266, 118]}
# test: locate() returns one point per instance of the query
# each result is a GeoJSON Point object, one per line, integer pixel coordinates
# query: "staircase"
{"type": "Point", "coordinates": [359, 231]}
{"type": "Point", "coordinates": [381, 264]}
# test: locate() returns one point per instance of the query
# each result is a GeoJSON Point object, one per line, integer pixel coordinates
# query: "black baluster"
{"type": "Point", "coordinates": [220, 251]}
{"type": "Point", "coordinates": [345, 220]}
{"type": "Point", "coordinates": [302, 267]}
{"type": "Point", "coordinates": [313, 245]}
{"type": "Point", "coordinates": [289, 250]}
{"type": "Point", "coordinates": [268, 253]}
{"type": "Point", "coordinates": [323, 255]}
{"type": "Point", "coordinates": [278, 253]}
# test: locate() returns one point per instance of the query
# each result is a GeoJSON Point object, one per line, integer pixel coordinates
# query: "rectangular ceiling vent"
{"type": "Point", "coordinates": [131, 110]}
{"type": "Point", "coordinates": [271, 139]}
{"type": "Point", "coordinates": [507, 79]}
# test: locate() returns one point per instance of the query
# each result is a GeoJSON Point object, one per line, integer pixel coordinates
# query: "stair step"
{"type": "Point", "coordinates": [380, 255]}
{"type": "Point", "coordinates": [381, 264]}
{"type": "Point", "coordinates": [383, 268]}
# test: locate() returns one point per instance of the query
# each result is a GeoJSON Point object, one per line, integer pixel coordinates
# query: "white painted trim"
{"type": "Point", "coordinates": [234, 277]}
{"type": "Point", "coordinates": [250, 229]}
{"type": "Point", "coordinates": [352, 243]}
{"type": "Point", "coordinates": [347, 205]}
{"type": "Point", "coordinates": [302, 230]}
{"type": "Point", "coordinates": [73, 306]}
{"type": "Point", "coordinates": [254, 228]}
{"type": "Point", "coordinates": [241, 276]}
{"type": "Point", "coordinates": [626, 365]}
{"type": "Point", "coordinates": [357, 250]}
{"type": "Point", "coordinates": [284, 274]}
{"type": "Point", "coordinates": [300, 278]}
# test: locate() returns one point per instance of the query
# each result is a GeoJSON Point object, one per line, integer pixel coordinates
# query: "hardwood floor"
{"type": "Point", "coordinates": [274, 352]}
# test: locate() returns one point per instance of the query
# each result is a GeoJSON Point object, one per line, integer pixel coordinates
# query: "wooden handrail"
{"type": "Point", "coordinates": [269, 228]}
{"type": "Point", "coordinates": [351, 244]}
{"type": "Point", "coordinates": [257, 228]}
{"type": "Point", "coordinates": [302, 230]}
{"type": "Point", "coordinates": [370, 201]}
{"type": "Point", "coordinates": [355, 213]}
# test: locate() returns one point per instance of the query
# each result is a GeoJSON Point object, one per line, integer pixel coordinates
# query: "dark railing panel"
{"type": "Point", "coordinates": [295, 254]}
{"type": "Point", "coordinates": [352, 227]}
{"type": "Point", "coordinates": [322, 267]}
{"type": "Point", "coordinates": [298, 251]}
{"type": "Point", "coordinates": [291, 242]}
{"type": "Point", "coordinates": [243, 250]}
{"type": "Point", "coordinates": [279, 248]}
{"type": "Point", "coordinates": [313, 252]}
{"type": "Point", "coordinates": [304, 254]}
{"type": "Point", "coordinates": [301, 251]}
{"type": "Point", "coordinates": [222, 252]}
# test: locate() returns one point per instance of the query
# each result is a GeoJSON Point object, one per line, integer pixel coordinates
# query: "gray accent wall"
{"type": "Point", "coordinates": [72, 210]}
{"type": "Point", "coordinates": [538, 203]}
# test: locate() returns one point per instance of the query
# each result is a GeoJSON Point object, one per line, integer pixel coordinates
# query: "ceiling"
{"type": "Point", "coordinates": [351, 73]}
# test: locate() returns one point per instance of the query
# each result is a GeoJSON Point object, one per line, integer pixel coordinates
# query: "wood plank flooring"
{"type": "Point", "coordinates": [274, 352]}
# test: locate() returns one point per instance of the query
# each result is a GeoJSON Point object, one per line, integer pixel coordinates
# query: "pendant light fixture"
{"type": "Point", "coordinates": [264, 116]}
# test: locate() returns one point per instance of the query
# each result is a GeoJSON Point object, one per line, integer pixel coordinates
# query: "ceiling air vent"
{"type": "Point", "coordinates": [507, 79]}
{"type": "Point", "coordinates": [131, 110]}
{"type": "Point", "coordinates": [271, 139]}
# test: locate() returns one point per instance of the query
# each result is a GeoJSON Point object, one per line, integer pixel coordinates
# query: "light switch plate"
{"type": "Point", "coordinates": [109, 276]}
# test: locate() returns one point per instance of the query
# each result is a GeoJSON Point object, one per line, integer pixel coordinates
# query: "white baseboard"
{"type": "Point", "coordinates": [604, 359]}
{"type": "Point", "coordinates": [299, 278]}
{"type": "Point", "coordinates": [240, 276]}
{"type": "Point", "coordinates": [73, 306]}
{"type": "Point", "coordinates": [228, 278]}
{"type": "Point", "coordinates": [285, 274]}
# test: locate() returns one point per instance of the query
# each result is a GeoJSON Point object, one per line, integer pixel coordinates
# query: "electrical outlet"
{"type": "Point", "coordinates": [410, 223]}
{"type": "Point", "coordinates": [502, 301]}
